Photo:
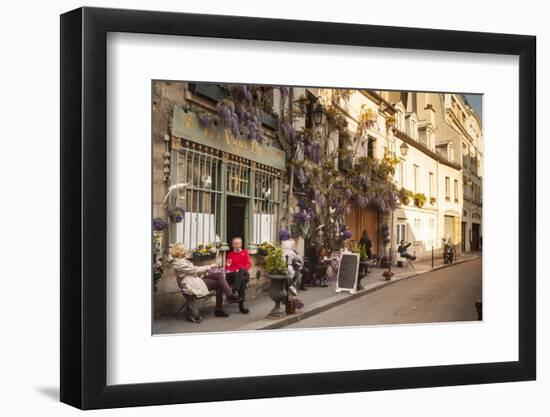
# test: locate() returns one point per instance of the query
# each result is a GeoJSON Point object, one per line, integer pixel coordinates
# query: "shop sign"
{"type": "Point", "coordinates": [185, 125]}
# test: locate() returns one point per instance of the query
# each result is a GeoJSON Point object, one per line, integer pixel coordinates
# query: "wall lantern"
{"type": "Point", "coordinates": [404, 148]}
{"type": "Point", "coordinates": [319, 115]}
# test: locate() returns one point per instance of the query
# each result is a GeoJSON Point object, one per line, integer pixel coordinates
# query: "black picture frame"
{"type": "Point", "coordinates": [84, 207]}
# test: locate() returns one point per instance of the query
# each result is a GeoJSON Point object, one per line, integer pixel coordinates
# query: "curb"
{"type": "Point", "coordinates": [322, 306]}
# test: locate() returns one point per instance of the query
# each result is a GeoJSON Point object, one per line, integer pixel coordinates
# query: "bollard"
{"type": "Point", "coordinates": [479, 309]}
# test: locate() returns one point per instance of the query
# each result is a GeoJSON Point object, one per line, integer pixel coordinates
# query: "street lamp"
{"type": "Point", "coordinates": [404, 148]}
{"type": "Point", "coordinates": [319, 115]}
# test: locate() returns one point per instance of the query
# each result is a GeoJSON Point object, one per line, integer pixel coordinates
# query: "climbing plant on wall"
{"type": "Point", "coordinates": [330, 191]}
{"type": "Point", "coordinates": [326, 162]}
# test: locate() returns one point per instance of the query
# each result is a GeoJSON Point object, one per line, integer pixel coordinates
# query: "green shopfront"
{"type": "Point", "coordinates": [227, 186]}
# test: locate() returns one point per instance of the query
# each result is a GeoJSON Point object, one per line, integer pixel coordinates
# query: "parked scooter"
{"type": "Point", "coordinates": [448, 252]}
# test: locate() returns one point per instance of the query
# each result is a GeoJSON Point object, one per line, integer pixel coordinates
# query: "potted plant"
{"type": "Point", "coordinates": [204, 252]}
{"type": "Point", "coordinates": [419, 200]}
{"type": "Point", "coordinates": [159, 224]}
{"type": "Point", "coordinates": [433, 201]}
{"type": "Point", "coordinates": [387, 275]}
{"type": "Point", "coordinates": [405, 196]}
{"type": "Point", "coordinates": [277, 271]}
{"type": "Point", "coordinates": [158, 270]}
{"type": "Point", "coordinates": [294, 305]}
{"type": "Point", "coordinates": [264, 247]}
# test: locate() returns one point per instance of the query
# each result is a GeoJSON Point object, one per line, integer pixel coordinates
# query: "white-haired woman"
{"type": "Point", "coordinates": [187, 278]}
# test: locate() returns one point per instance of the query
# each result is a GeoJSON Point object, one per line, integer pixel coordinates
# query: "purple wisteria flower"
{"type": "Point", "coordinates": [288, 131]}
{"type": "Point", "coordinates": [300, 217]}
{"type": "Point", "coordinates": [361, 201]}
{"type": "Point", "coordinates": [205, 120]}
{"type": "Point", "coordinates": [320, 199]}
{"type": "Point", "coordinates": [159, 224]}
{"type": "Point", "coordinates": [346, 234]}
{"type": "Point", "coordinates": [301, 176]}
{"type": "Point", "coordinates": [348, 193]}
{"type": "Point", "coordinates": [241, 92]}
{"type": "Point", "coordinates": [313, 151]}
{"type": "Point", "coordinates": [284, 91]}
{"type": "Point", "coordinates": [363, 180]}
{"type": "Point", "coordinates": [284, 235]}
{"type": "Point", "coordinates": [302, 204]}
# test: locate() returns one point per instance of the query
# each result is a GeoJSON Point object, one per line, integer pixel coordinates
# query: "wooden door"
{"type": "Point", "coordinates": [364, 219]}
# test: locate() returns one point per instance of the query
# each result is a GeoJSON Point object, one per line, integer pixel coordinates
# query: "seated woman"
{"type": "Point", "coordinates": [191, 285]}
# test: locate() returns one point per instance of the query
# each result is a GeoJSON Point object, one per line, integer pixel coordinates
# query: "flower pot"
{"type": "Point", "coordinates": [290, 307]}
{"type": "Point", "coordinates": [205, 257]}
{"type": "Point", "coordinates": [277, 293]}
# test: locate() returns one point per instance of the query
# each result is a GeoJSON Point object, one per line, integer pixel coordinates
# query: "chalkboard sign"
{"type": "Point", "coordinates": [347, 272]}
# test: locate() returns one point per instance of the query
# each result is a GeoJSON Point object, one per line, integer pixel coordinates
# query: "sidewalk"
{"type": "Point", "coordinates": [315, 299]}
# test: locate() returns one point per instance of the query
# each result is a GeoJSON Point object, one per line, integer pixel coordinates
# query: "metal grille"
{"type": "Point", "coordinates": [201, 170]}
{"type": "Point", "coordinates": [266, 198]}
{"type": "Point", "coordinates": [238, 178]}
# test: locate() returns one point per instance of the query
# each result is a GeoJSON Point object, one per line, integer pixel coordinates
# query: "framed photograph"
{"type": "Point", "coordinates": [259, 208]}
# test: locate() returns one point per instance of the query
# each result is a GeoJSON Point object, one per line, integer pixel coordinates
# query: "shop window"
{"type": "Point", "coordinates": [200, 199]}
{"type": "Point", "coordinates": [265, 206]}
{"type": "Point", "coordinates": [238, 178]}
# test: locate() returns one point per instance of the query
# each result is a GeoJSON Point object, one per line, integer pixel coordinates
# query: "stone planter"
{"type": "Point", "coordinates": [277, 293]}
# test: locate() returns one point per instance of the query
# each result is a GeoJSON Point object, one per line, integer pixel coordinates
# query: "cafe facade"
{"type": "Point", "coordinates": [226, 186]}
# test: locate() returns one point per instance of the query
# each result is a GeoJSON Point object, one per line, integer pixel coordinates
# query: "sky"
{"type": "Point", "coordinates": [475, 101]}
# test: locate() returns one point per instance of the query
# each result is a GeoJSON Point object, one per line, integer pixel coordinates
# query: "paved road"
{"type": "Point", "coordinates": [443, 295]}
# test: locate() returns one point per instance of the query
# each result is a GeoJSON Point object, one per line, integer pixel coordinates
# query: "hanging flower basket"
{"type": "Point", "coordinates": [176, 214]}
{"type": "Point", "coordinates": [419, 200]}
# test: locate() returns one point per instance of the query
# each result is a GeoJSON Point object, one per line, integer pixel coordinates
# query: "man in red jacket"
{"type": "Point", "coordinates": [237, 264]}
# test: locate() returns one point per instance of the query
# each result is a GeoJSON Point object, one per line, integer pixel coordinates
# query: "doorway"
{"type": "Point", "coordinates": [474, 245]}
{"type": "Point", "coordinates": [360, 219]}
{"type": "Point", "coordinates": [463, 236]}
{"type": "Point", "coordinates": [236, 219]}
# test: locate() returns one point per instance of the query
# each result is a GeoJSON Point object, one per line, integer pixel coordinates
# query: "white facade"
{"type": "Point", "coordinates": [461, 117]}
{"type": "Point", "coordinates": [430, 166]}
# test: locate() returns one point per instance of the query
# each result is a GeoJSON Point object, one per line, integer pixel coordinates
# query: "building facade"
{"type": "Point", "coordinates": [461, 117]}
{"type": "Point", "coordinates": [227, 185]}
{"type": "Point", "coordinates": [429, 170]}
